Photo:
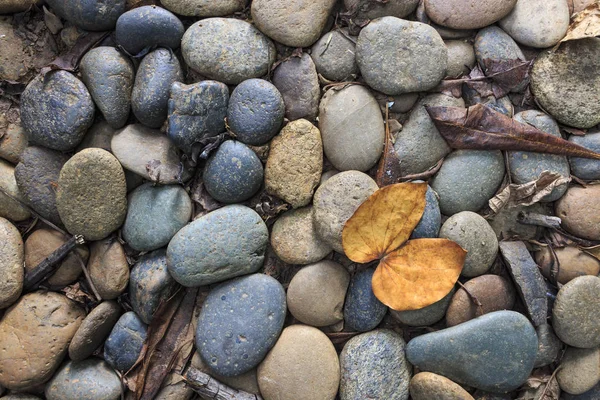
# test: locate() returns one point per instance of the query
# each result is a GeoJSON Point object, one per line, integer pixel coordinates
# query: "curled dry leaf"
{"type": "Point", "coordinates": [584, 24]}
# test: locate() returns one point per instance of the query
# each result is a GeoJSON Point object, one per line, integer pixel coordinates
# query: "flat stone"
{"type": "Point", "coordinates": [527, 278]}
{"type": "Point", "coordinates": [461, 57]}
{"type": "Point", "coordinates": [56, 110]}
{"type": "Point", "coordinates": [89, 15]}
{"type": "Point", "coordinates": [108, 268]}
{"type": "Point", "coordinates": [154, 215]}
{"type": "Point", "coordinates": [572, 262]}
{"type": "Point", "coordinates": [579, 211]}
{"type": "Point", "coordinates": [298, 82]}
{"type": "Point", "coordinates": [566, 82]}
{"type": "Point", "coordinates": [352, 128]}
{"type": "Point", "coordinates": [94, 329]}
{"type": "Point", "coordinates": [221, 245]}
{"type": "Point", "coordinates": [426, 386]}
{"type": "Point", "coordinates": [204, 8]}
{"type": "Point", "coordinates": [431, 221]}
{"type": "Point", "coordinates": [227, 50]}
{"type": "Point", "coordinates": [334, 57]}
{"type": "Point", "coordinates": [393, 41]}
{"type": "Point", "coordinates": [11, 263]}
{"type": "Point", "coordinates": [125, 342]}
{"type": "Point", "coordinates": [424, 316]}
{"type": "Point", "coordinates": [374, 365]}
{"type": "Point", "coordinates": [585, 168]}
{"type": "Point", "coordinates": [13, 141]}
{"type": "Point", "coordinates": [91, 379]}
{"type": "Point", "coordinates": [494, 352]}
{"type": "Point", "coordinates": [369, 10]}
{"type": "Point", "coordinates": [9, 208]}
{"type": "Point", "coordinates": [451, 13]}
{"type": "Point", "coordinates": [580, 370]}
{"type": "Point", "coordinates": [362, 310]}
{"type": "Point", "coordinates": [549, 346]}
{"type": "Point", "coordinates": [239, 323]}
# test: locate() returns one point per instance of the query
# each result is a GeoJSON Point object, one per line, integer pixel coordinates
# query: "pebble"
{"type": "Point", "coordinates": [336, 200]}
{"type": "Point", "coordinates": [11, 263]}
{"type": "Point", "coordinates": [496, 45]}
{"type": "Point", "coordinates": [90, 379]}
{"type": "Point", "coordinates": [493, 292]}
{"type": "Point", "coordinates": [579, 370]}
{"type": "Point", "coordinates": [125, 342]}
{"type": "Point", "coordinates": [255, 112]}
{"type": "Point", "coordinates": [472, 232]}
{"type": "Point", "coordinates": [196, 111]}
{"type": "Point", "coordinates": [494, 352]}
{"type": "Point", "coordinates": [369, 10]}
{"type": "Point", "coordinates": [221, 245]}
{"type": "Point", "coordinates": [585, 168]}
{"type": "Point", "coordinates": [461, 58]}
{"type": "Point", "coordinates": [565, 82]}
{"type": "Point", "coordinates": [239, 323]}
{"type": "Point", "coordinates": [109, 76]}
{"type": "Point", "coordinates": [154, 215]}
{"type": "Point", "coordinates": [403, 103]}
{"type": "Point", "coordinates": [431, 221]}
{"type": "Point", "coordinates": [9, 208]}
{"type": "Point", "coordinates": [15, 6]}
{"type": "Point", "coordinates": [204, 8]}
{"type": "Point", "coordinates": [374, 366]}
{"type": "Point", "coordinates": [362, 310]}
{"type": "Point", "coordinates": [572, 262]}
{"type": "Point", "coordinates": [227, 50]}
{"type": "Point", "coordinates": [298, 82]}
{"type": "Point", "coordinates": [56, 110]}
{"type": "Point", "coordinates": [150, 284]}
{"type": "Point", "coordinates": [549, 346]}
{"type": "Point", "coordinates": [424, 316]}
{"type": "Point", "coordinates": [89, 15]}
{"type": "Point", "coordinates": [233, 173]}
{"type": "Point", "coordinates": [334, 56]}
{"type": "Point", "coordinates": [41, 243]}
{"type": "Point", "coordinates": [91, 196]}
{"type": "Point", "coordinates": [247, 381]}
{"type": "Point", "coordinates": [579, 211]}
{"type": "Point", "coordinates": [445, 32]}
{"type": "Point", "coordinates": [13, 141]}
{"type": "Point", "coordinates": [108, 268]}
{"type": "Point", "coordinates": [451, 13]}
{"type": "Point", "coordinates": [148, 27]}
{"type": "Point", "coordinates": [295, 163]}
{"type": "Point", "coordinates": [302, 354]}
{"type": "Point", "coordinates": [94, 329]}
{"type": "Point", "coordinates": [461, 183]}
{"type": "Point", "coordinates": [352, 128]}
{"type": "Point", "coordinates": [427, 386]}
{"type": "Point", "coordinates": [393, 41]}
{"type": "Point", "coordinates": [158, 162]}
{"type": "Point", "coordinates": [34, 335]}
{"type": "Point", "coordinates": [315, 295]}
{"type": "Point", "coordinates": [537, 23]}
{"type": "Point", "coordinates": [576, 312]}
{"type": "Point", "coordinates": [99, 135]}
{"type": "Point", "coordinates": [419, 145]}
{"type": "Point", "coordinates": [294, 23]}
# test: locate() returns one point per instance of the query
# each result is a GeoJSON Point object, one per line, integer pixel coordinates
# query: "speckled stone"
{"type": "Point", "coordinates": [431, 221]}
{"type": "Point", "coordinates": [154, 215]}
{"type": "Point", "coordinates": [565, 82]}
{"type": "Point", "coordinates": [239, 323]}
{"type": "Point", "coordinates": [334, 56]}
{"type": "Point", "coordinates": [91, 379]}
{"type": "Point", "coordinates": [13, 141]}
{"type": "Point", "coordinates": [233, 173]}
{"type": "Point", "coordinates": [57, 110]}
{"type": "Point", "coordinates": [298, 82]}
{"type": "Point", "coordinates": [94, 329]}
{"type": "Point", "coordinates": [424, 316]}
{"type": "Point", "coordinates": [579, 211]}
{"type": "Point", "coordinates": [36, 175]}
{"type": "Point", "coordinates": [204, 8]}
{"type": "Point", "coordinates": [572, 262]}
{"type": "Point", "coordinates": [223, 244]}
{"type": "Point", "coordinates": [495, 44]}
{"type": "Point", "coordinates": [461, 182]}
{"type": "Point", "coordinates": [461, 57]}
{"type": "Point", "coordinates": [89, 15]}
{"type": "Point", "coordinates": [9, 208]}
{"type": "Point", "coordinates": [392, 41]}
{"type": "Point", "coordinates": [585, 168]}
{"type": "Point", "coordinates": [370, 10]}
{"type": "Point", "coordinates": [451, 13]}
{"type": "Point", "coordinates": [428, 386]}
{"type": "Point", "coordinates": [362, 310]}
{"type": "Point", "coordinates": [196, 111]}
{"type": "Point", "coordinates": [150, 284]}
{"type": "Point", "coordinates": [255, 111]}
{"type": "Point", "coordinates": [147, 27]}
{"type": "Point", "coordinates": [124, 344]}
{"type": "Point", "coordinates": [494, 352]}
{"type": "Point", "coordinates": [352, 128]}
{"type": "Point", "coordinates": [576, 312]}
{"type": "Point", "coordinates": [109, 75]}
{"type": "Point", "coordinates": [335, 202]}
{"type": "Point", "coordinates": [91, 197]}
{"type": "Point", "coordinates": [374, 365]}
{"type": "Point", "coordinates": [11, 263]}
{"type": "Point", "coordinates": [580, 370]}
{"type": "Point", "coordinates": [549, 346]}
{"type": "Point", "coordinates": [108, 268]}
{"type": "Point", "coordinates": [227, 50]}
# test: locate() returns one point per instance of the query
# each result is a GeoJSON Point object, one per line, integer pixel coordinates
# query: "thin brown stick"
{"type": "Point", "coordinates": [472, 297]}
{"type": "Point", "coordinates": [88, 278]}
{"type": "Point", "coordinates": [423, 175]}
{"type": "Point", "coordinates": [553, 376]}
{"type": "Point", "coordinates": [211, 389]}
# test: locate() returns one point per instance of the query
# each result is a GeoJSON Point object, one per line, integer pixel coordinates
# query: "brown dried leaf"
{"type": "Point", "coordinates": [506, 75]}
{"type": "Point", "coordinates": [388, 171]}
{"type": "Point", "coordinates": [584, 24]}
{"type": "Point", "coordinates": [70, 60]}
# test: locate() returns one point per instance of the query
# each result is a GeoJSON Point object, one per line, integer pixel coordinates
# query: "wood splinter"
{"type": "Point", "coordinates": [531, 218]}
{"type": "Point", "coordinates": [210, 389]}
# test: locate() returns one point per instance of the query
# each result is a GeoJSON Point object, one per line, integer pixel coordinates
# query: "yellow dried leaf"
{"type": "Point", "coordinates": [584, 24]}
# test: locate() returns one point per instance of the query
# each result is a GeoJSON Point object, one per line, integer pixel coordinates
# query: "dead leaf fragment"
{"type": "Point", "coordinates": [70, 60]}
{"type": "Point", "coordinates": [584, 24]}
{"type": "Point", "coordinates": [53, 23]}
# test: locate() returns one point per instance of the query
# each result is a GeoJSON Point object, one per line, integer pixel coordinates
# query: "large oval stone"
{"type": "Point", "coordinates": [125, 342]}
{"type": "Point", "coordinates": [89, 15]}
{"type": "Point", "coordinates": [90, 379]}
{"type": "Point", "coordinates": [334, 56]}
{"type": "Point", "coordinates": [223, 244]}
{"type": "Point", "coordinates": [94, 329]}
{"type": "Point", "coordinates": [11, 263]}
{"type": "Point", "coordinates": [453, 13]}
{"type": "Point", "coordinates": [108, 268]}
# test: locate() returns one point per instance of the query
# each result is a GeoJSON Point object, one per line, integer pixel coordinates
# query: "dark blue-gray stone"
{"type": "Point", "coordinates": [56, 110]}
{"type": "Point", "coordinates": [239, 323]}
{"type": "Point", "coordinates": [494, 352]}
{"type": "Point", "coordinates": [431, 221]}
{"type": "Point", "coordinates": [150, 96]}
{"type": "Point", "coordinates": [233, 173]}
{"type": "Point", "coordinates": [148, 27]}
{"type": "Point", "coordinates": [424, 316]}
{"type": "Point", "coordinates": [223, 244]}
{"type": "Point", "coordinates": [89, 15]}
{"type": "Point", "coordinates": [585, 168]}
{"type": "Point", "coordinates": [90, 379]}
{"type": "Point", "coordinates": [125, 342]}
{"type": "Point", "coordinates": [362, 311]}
{"type": "Point", "coordinates": [592, 394]}
{"type": "Point", "coordinates": [154, 215]}
{"type": "Point", "coordinates": [150, 284]}
{"type": "Point", "coordinates": [255, 111]}
{"type": "Point", "coordinates": [298, 82]}
{"type": "Point", "coordinates": [373, 366]}
{"type": "Point", "coordinates": [36, 175]}
{"type": "Point", "coordinates": [196, 111]}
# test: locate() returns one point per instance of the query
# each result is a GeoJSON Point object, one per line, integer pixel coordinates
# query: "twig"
{"type": "Point", "coordinates": [423, 175]}
{"type": "Point", "coordinates": [580, 181]}
{"type": "Point", "coordinates": [210, 389]}
{"type": "Point", "coordinates": [88, 278]}
{"type": "Point", "coordinates": [553, 376]}
{"type": "Point", "coordinates": [472, 297]}
{"type": "Point", "coordinates": [531, 218]}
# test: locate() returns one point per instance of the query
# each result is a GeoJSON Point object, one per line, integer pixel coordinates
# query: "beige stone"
{"type": "Point", "coordinates": [12, 140]}
{"type": "Point", "coordinates": [572, 263]}
{"type": "Point", "coordinates": [428, 386]}
{"type": "Point", "coordinates": [579, 370]}
{"type": "Point", "coordinates": [13, 58]}
{"type": "Point", "coordinates": [108, 268]}
{"type": "Point", "coordinates": [579, 210]}
{"type": "Point", "coordinates": [94, 329]}
{"type": "Point", "coordinates": [9, 208]}
{"type": "Point", "coordinates": [11, 263]}
{"type": "Point", "coordinates": [461, 58]}
{"type": "Point", "coordinates": [467, 14]}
